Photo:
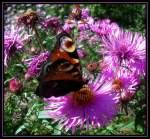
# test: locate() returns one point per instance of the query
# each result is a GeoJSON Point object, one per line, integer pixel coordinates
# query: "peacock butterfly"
{"type": "Point", "coordinates": [62, 73]}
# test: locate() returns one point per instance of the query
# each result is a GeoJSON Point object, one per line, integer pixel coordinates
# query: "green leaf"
{"type": "Point", "coordinates": [119, 125]}
{"type": "Point", "coordinates": [45, 122]}
{"type": "Point", "coordinates": [130, 125]}
{"type": "Point", "coordinates": [109, 128]}
{"type": "Point", "coordinates": [139, 93]}
{"type": "Point", "coordinates": [6, 81]}
{"type": "Point", "coordinates": [34, 81]}
{"type": "Point", "coordinates": [49, 127]}
{"type": "Point", "coordinates": [56, 132]}
{"type": "Point", "coordinates": [21, 128]}
{"type": "Point", "coordinates": [20, 65]}
{"type": "Point", "coordinates": [44, 114]}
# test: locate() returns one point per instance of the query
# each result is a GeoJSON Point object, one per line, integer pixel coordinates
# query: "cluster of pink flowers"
{"type": "Point", "coordinates": [124, 54]}
{"type": "Point", "coordinates": [124, 57]}
{"type": "Point", "coordinates": [13, 42]}
{"type": "Point", "coordinates": [104, 26]}
{"type": "Point", "coordinates": [122, 65]}
{"type": "Point", "coordinates": [52, 23]}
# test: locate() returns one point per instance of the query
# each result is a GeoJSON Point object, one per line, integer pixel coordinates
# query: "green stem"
{"type": "Point", "coordinates": [38, 37]}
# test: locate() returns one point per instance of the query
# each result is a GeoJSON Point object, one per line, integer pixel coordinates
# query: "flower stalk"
{"type": "Point", "coordinates": [38, 37]}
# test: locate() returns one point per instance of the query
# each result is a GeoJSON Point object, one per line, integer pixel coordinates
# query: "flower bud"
{"type": "Point", "coordinates": [125, 97]}
{"type": "Point", "coordinates": [92, 67]}
{"type": "Point", "coordinates": [15, 85]}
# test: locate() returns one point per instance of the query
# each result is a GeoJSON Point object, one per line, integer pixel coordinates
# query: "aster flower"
{"type": "Point", "coordinates": [52, 22]}
{"type": "Point", "coordinates": [13, 42]}
{"type": "Point", "coordinates": [76, 12]}
{"type": "Point", "coordinates": [85, 13]}
{"type": "Point", "coordinates": [84, 24]}
{"type": "Point", "coordinates": [104, 27]}
{"type": "Point", "coordinates": [69, 25]}
{"type": "Point", "coordinates": [123, 80]}
{"type": "Point", "coordinates": [29, 18]}
{"type": "Point", "coordinates": [35, 64]}
{"type": "Point", "coordinates": [127, 49]}
{"type": "Point", "coordinates": [92, 106]}
{"type": "Point", "coordinates": [78, 18]}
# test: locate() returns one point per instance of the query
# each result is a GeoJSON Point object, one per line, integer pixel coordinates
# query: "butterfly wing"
{"type": "Point", "coordinates": [57, 88]}
{"type": "Point", "coordinates": [61, 77]}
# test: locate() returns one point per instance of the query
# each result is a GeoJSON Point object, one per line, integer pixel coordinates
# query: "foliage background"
{"type": "Point", "coordinates": [129, 16]}
{"type": "Point", "coordinates": [20, 112]}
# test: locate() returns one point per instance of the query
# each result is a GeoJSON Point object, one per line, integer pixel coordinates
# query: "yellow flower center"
{"type": "Point", "coordinates": [83, 96]}
{"type": "Point", "coordinates": [117, 84]}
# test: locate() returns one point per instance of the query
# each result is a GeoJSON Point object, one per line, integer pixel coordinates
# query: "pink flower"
{"type": "Point", "coordinates": [29, 18]}
{"type": "Point", "coordinates": [126, 49]}
{"type": "Point", "coordinates": [35, 64]}
{"type": "Point", "coordinates": [85, 23]}
{"type": "Point", "coordinates": [83, 36]}
{"type": "Point", "coordinates": [52, 23]}
{"type": "Point", "coordinates": [69, 25]}
{"type": "Point", "coordinates": [92, 106]}
{"type": "Point", "coordinates": [85, 13]}
{"type": "Point", "coordinates": [124, 81]}
{"type": "Point", "coordinates": [82, 25]}
{"type": "Point", "coordinates": [104, 27]}
{"type": "Point", "coordinates": [13, 42]}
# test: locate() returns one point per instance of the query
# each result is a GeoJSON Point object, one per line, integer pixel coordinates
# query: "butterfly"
{"type": "Point", "coordinates": [62, 73]}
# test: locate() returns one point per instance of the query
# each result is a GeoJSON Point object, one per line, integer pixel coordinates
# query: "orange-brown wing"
{"type": "Point", "coordinates": [56, 55]}
{"type": "Point", "coordinates": [63, 70]}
